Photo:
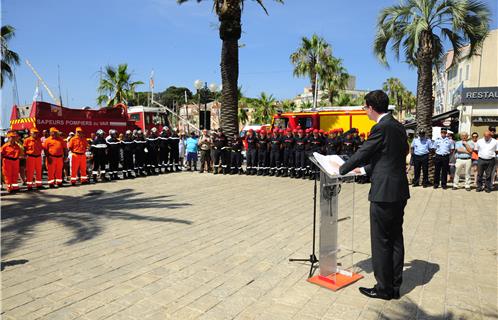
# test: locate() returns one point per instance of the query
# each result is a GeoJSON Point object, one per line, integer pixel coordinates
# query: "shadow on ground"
{"type": "Point", "coordinates": [408, 309]}
{"type": "Point", "coordinates": [83, 214]}
{"type": "Point", "coordinates": [416, 273]}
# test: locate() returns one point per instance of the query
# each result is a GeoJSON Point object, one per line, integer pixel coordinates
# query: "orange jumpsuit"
{"type": "Point", "coordinates": [33, 149]}
{"type": "Point", "coordinates": [10, 164]}
{"type": "Point", "coordinates": [54, 151]}
{"type": "Point", "coordinates": [78, 146]}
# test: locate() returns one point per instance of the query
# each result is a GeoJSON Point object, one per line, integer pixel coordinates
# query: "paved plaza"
{"type": "Point", "coordinates": [191, 246]}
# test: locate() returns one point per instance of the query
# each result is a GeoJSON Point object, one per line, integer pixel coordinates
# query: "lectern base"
{"type": "Point", "coordinates": [335, 281]}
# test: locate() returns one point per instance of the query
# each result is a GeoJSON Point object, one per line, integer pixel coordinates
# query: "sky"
{"type": "Point", "coordinates": [181, 44]}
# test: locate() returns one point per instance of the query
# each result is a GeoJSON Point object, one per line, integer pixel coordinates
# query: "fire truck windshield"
{"type": "Point", "coordinates": [281, 123]}
{"type": "Point", "coordinates": [305, 122]}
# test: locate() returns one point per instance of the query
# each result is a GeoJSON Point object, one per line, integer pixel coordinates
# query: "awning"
{"type": "Point", "coordinates": [439, 117]}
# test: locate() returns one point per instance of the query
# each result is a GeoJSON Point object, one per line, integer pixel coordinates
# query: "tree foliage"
{"type": "Point", "coordinates": [116, 85]}
{"type": "Point", "coordinates": [9, 57]}
{"type": "Point", "coordinates": [417, 29]}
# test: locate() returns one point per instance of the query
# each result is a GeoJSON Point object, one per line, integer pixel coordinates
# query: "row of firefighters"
{"type": "Point", "coordinates": [285, 152]}
{"type": "Point", "coordinates": [268, 153]}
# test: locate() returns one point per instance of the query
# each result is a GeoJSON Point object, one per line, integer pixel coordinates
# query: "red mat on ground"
{"type": "Point", "coordinates": [335, 281]}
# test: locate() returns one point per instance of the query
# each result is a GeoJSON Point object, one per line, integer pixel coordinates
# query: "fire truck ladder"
{"type": "Point", "coordinates": [57, 101]}
{"type": "Point", "coordinates": [178, 116]}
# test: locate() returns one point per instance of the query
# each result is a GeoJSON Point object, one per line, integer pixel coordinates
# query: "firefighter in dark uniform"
{"type": "Point", "coordinates": [152, 151]}
{"type": "Point", "coordinates": [219, 146]}
{"type": "Point", "coordinates": [252, 153]}
{"type": "Point", "coordinates": [140, 154]}
{"type": "Point", "coordinates": [174, 149]}
{"type": "Point", "coordinates": [288, 154]}
{"type": "Point", "coordinates": [332, 143]}
{"type": "Point", "coordinates": [164, 150]}
{"type": "Point", "coordinates": [275, 146]}
{"type": "Point", "coordinates": [316, 144]}
{"type": "Point", "coordinates": [235, 146]}
{"type": "Point", "coordinates": [128, 149]}
{"type": "Point", "coordinates": [225, 153]}
{"type": "Point", "coordinates": [262, 143]}
{"type": "Point", "coordinates": [98, 147]}
{"type": "Point", "coordinates": [300, 145]}
{"type": "Point", "coordinates": [348, 145]}
{"type": "Point", "coordinates": [356, 139]}
{"type": "Point", "coordinates": [113, 153]}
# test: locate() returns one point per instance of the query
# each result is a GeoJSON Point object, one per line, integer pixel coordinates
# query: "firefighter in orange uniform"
{"type": "Point", "coordinates": [78, 146]}
{"type": "Point", "coordinates": [11, 151]}
{"type": "Point", "coordinates": [33, 149]}
{"type": "Point", "coordinates": [55, 151]}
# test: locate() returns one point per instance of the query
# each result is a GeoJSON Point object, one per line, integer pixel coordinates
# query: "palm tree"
{"type": "Point", "coordinates": [9, 57]}
{"type": "Point", "coordinates": [334, 78]}
{"type": "Point", "coordinates": [409, 101]}
{"type": "Point", "coordinates": [264, 108]}
{"type": "Point", "coordinates": [419, 28]}
{"type": "Point", "coordinates": [116, 85]}
{"type": "Point", "coordinates": [396, 91]}
{"type": "Point", "coordinates": [344, 99]}
{"type": "Point", "coordinates": [310, 59]}
{"type": "Point", "coordinates": [229, 14]}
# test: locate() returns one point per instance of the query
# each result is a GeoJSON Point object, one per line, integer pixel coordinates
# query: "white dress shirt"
{"type": "Point", "coordinates": [486, 149]}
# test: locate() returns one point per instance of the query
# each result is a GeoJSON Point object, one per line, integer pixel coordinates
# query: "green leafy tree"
{"type": "Point", "coordinates": [396, 92]}
{"type": "Point", "coordinates": [175, 96]}
{"type": "Point", "coordinates": [334, 77]}
{"type": "Point", "coordinates": [311, 58]}
{"type": "Point", "coordinates": [229, 14]}
{"type": "Point", "coordinates": [264, 108]}
{"type": "Point", "coordinates": [344, 99]}
{"type": "Point", "coordinates": [9, 57]}
{"type": "Point", "coordinates": [418, 29]}
{"type": "Point", "coordinates": [116, 85]}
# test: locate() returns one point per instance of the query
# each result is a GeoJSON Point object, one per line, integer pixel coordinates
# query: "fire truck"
{"type": "Point", "coordinates": [326, 118]}
{"type": "Point", "coordinates": [44, 115]}
{"type": "Point", "coordinates": [146, 118]}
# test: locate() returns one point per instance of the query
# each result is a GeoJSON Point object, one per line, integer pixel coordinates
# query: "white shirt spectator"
{"type": "Point", "coordinates": [486, 149]}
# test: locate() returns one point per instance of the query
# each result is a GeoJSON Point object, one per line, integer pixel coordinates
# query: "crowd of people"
{"type": "Point", "coordinates": [97, 157]}
{"type": "Point", "coordinates": [452, 158]}
{"type": "Point", "coordinates": [281, 152]}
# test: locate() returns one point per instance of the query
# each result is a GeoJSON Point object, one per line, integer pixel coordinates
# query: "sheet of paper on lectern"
{"type": "Point", "coordinates": [330, 164]}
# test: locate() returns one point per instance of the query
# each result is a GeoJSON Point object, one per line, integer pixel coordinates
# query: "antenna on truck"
{"type": "Point", "coordinates": [50, 93]}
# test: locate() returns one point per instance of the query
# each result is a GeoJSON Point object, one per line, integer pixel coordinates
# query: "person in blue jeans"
{"type": "Point", "coordinates": [191, 146]}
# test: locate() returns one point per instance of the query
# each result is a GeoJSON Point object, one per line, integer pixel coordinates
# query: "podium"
{"type": "Point", "coordinates": [331, 276]}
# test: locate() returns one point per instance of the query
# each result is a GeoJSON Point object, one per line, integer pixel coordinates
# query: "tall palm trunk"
{"type": "Point", "coordinates": [425, 105]}
{"type": "Point", "coordinates": [230, 32]}
{"type": "Point", "coordinates": [229, 78]}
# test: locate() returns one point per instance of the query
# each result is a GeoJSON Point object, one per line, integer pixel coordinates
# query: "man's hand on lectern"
{"type": "Point", "coordinates": [357, 171]}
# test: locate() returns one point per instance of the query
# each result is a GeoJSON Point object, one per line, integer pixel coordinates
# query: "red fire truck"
{"type": "Point", "coordinates": [43, 116]}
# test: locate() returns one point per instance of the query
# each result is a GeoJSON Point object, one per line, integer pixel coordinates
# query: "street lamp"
{"type": "Point", "coordinates": [202, 88]}
{"type": "Point", "coordinates": [213, 87]}
{"type": "Point", "coordinates": [198, 84]}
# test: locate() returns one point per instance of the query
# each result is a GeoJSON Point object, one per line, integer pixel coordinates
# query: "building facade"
{"type": "Point", "coordinates": [469, 85]}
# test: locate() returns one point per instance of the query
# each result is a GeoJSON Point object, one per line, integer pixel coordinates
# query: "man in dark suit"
{"type": "Point", "coordinates": [384, 153]}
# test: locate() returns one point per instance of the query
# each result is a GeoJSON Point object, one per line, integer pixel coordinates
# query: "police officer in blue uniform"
{"type": "Point", "coordinates": [420, 150]}
{"type": "Point", "coordinates": [443, 147]}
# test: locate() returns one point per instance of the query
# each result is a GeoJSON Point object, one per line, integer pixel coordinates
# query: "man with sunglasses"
{"type": "Point", "coordinates": [385, 154]}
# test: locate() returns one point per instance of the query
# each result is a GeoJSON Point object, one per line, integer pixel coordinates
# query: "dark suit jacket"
{"type": "Point", "coordinates": [385, 152]}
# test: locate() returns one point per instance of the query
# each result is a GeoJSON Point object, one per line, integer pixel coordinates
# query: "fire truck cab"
{"type": "Point", "coordinates": [326, 118]}
{"type": "Point", "coordinates": [146, 118]}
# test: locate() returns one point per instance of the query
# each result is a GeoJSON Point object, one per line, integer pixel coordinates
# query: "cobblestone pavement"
{"type": "Point", "coordinates": [191, 246]}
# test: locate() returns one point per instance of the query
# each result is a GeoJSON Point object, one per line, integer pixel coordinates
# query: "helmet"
{"type": "Point", "coordinates": [294, 131]}
{"type": "Point", "coordinates": [281, 131]}
{"type": "Point", "coordinates": [321, 131]}
{"type": "Point", "coordinates": [154, 130]}
{"type": "Point", "coordinates": [112, 132]}
{"type": "Point", "coordinates": [128, 131]}
{"type": "Point", "coordinates": [301, 131]}
{"type": "Point", "coordinates": [251, 130]}
{"type": "Point", "coordinates": [100, 132]}
{"type": "Point", "coordinates": [315, 131]}
{"type": "Point", "coordinates": [139, 132]}
{"type": "Point", "coordinates": [263, 132]}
